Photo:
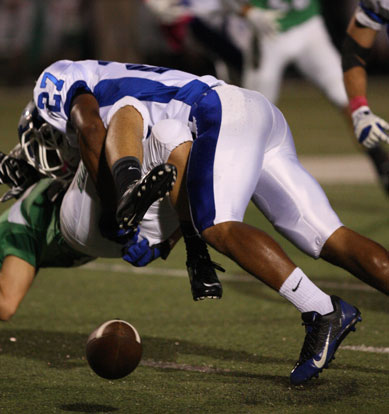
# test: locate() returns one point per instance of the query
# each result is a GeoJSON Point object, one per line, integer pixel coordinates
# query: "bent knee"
{"type": "Point", "coordinates": [214, 235]}
{"type": "Point", "coordinates": [218, 235]}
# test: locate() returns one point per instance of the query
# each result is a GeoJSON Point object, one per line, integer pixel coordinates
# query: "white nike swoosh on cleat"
{"type": "Point", "coordinates": [210, 284]}
{"type": "Point", "coordinates": [321, 362]}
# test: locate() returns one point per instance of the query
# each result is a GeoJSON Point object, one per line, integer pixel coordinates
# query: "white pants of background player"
{"type": "Point", "coordinates": [253, 157]}
{"type": "Point", "coordinates": [81, 210]}
{"type": "Point", "coordinates": [308, 46]}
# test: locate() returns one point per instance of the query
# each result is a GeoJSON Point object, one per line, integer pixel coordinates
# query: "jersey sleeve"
{"type": "Point", "coordinates": [55, 89]}
{"type": "Point", "coordinates": [367, 14]}
{"type": "Point", "coordinates": [135, 103]}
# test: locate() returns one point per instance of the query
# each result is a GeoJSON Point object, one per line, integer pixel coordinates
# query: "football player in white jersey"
{"type": "Point", "coordinates": [93, 103]}
{"type": "Point", "coordinates": [48, 150]}
{"type": "Point", "coordinates": [369, 18]}
{"type": "Point", "coordinates": [242, 150]}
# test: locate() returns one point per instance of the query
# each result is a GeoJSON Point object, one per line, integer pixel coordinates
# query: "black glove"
{"type": "Point", "coordinates": [17, 174]}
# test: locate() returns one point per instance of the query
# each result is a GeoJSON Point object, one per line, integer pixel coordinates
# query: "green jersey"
{"type": "Point", "coordinates": [30, 230]}
{"type": "Point", "coordinates": [296, 11]}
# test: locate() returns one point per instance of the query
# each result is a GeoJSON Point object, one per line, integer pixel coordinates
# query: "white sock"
{"type": "Point", "coordinates": [304, 294]}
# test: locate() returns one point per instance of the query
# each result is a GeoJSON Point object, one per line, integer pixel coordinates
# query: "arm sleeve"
{"type": "Point", "coordinates": [20, 244]}
{"type": "Point", "coordinates": [366, 16]}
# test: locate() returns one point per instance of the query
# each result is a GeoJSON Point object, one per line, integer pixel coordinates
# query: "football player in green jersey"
{"type": "Point", "coordinates": [303, 40]}
{"type": "Point", "coordinates": [30, 239]}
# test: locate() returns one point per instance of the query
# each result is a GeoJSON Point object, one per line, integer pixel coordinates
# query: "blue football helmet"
{"type": "Point", "coordinates": [45, 147]}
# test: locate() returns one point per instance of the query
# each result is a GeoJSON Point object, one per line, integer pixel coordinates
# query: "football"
{"type": "Point", "coordinates": [114, 349]}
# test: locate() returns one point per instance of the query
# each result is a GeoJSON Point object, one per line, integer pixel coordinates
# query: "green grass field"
{"type": "Point", "coordinates": [231, 356]}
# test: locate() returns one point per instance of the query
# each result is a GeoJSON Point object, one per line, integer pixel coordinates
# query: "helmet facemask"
{"type": "Point", "coordinates": [45, 147]}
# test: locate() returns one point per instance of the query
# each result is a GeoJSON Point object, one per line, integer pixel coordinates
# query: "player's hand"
{"type": "Point", "coordinates": [17, 174]}
{"type": "Point", "coordinates": [140, 253]}
{"type": "Point", "coordinates": [264, 22]}
{"type": "Point", "coordinates": [369, 128]}
{"type": "Point", "coordinates": [9, 173]}
{"type": "Point", "coordinates": [168, 11]}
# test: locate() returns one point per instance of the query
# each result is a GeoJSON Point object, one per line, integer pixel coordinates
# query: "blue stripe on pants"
{"type": "Point", "coordinates": [207, 116]}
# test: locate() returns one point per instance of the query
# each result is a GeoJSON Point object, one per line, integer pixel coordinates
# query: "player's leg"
{"type": "Point", "coordinates": [298, 208]}
{"type": "Point", "coordinates": [254, 250]}
{"type": "Point", "coordinates": [201, 270]}
{"type": "Point", "coordinates": [329, 317]}
{"type": "Point", "coordinates": [267, 77]}
{"type": "Point", "coordinates": [170, 142]}
{"type": "Point", "coordinates": [319, 61]}
{"type": "Point", "coordinates": [124, 152]}
{"type": "Point", "coordinates": [215, 168]}
{"type": "Point", "coordinates": [359, 255]}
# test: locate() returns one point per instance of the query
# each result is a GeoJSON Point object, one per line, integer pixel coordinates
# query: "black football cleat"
{"type": "Point", "coordinates": [324, 334]}
{"type": "Point", "coordinates": [203, 278]}
{"type": "Point", "coordinates": [142, 194]}
{"type": "Point", "coordinates": [201, 270]}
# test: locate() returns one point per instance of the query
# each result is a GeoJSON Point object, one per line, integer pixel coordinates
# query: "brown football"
{"type": "Point", "coordinates": [114, 349]}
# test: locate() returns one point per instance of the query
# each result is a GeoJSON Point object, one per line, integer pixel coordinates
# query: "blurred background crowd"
{"type": "Point", "coordinates": [205, 39]}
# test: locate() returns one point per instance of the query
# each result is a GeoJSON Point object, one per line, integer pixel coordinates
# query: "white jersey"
{"type": "Point", "coordinates": [373, 13]}
{"type": "Point", "coordinates": [157, 93]}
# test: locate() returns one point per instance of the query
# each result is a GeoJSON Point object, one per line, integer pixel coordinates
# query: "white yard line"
{"type": "Point", "coordinates": [181, 367]}
{"type": "Point", "coordinates": [365, 348]}
{"type": "Point", "coordinates": [340, 169]}
{"type": "Point", "coordinates": [157, 271]}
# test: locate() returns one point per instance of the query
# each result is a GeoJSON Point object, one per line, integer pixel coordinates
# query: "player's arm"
{"type": "Point", "coordinates": [357, 46]}
{"type": "Point", "coordinates": [16, 277]}
{"type": "Point", "coordinates": [86, 121]}
{"type": "Point", "coordinates": [369, 128]}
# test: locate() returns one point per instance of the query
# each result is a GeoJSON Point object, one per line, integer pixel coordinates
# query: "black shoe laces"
{"type": "Point", "coordinates": [198, 255]}
{"type": "Point", "coordinates": [316, 334]}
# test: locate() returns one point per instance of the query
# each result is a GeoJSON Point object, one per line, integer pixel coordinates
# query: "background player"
{"type": "Point", "coordinates": [303, 40]}
{"type": "Point", "coordinates": [369, 18]}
